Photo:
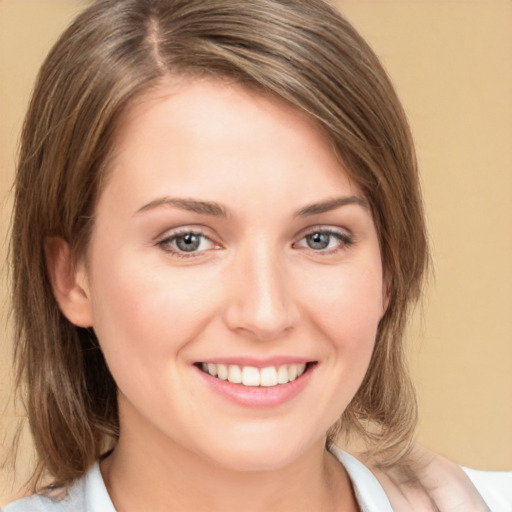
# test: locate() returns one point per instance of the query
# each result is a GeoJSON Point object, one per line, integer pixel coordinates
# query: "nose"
{"type": "Point", "coordinates": [262, 304]}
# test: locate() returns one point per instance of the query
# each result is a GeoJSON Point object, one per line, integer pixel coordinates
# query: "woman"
{"type": "Point", "coordinates": [218, 234]}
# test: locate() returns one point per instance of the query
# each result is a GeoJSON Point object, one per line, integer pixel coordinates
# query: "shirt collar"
{"type": "Point", "coordinates": [369, 493]}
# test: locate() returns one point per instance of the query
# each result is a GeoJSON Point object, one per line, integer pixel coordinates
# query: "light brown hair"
{"type": "Point", "coordinates": [301, 50]}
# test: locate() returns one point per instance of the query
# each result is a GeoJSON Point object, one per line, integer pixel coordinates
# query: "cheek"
{"type": "Point", "coordinates": [348, 304]}
{"type": "Point", "coordinates": [144, 309]}
{"type": "Point", "coordinates": [344, 305]}
{"type": "Point", "coordinates": [348, 316]}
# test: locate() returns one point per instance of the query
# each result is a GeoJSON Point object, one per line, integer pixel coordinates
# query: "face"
{"type": "Point", "coordinates": [234, 276]}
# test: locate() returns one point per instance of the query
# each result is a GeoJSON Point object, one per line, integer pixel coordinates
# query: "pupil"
{"type": "Point", "coordinates": [188, 243]}
{"type": "Point", "coordinates": [318, 240]}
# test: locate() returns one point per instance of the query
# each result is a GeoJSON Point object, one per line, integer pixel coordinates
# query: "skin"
{"type": "Point", "coordinates": [427, 482]}
{"type": "Point", "coordinates": [254, 288]}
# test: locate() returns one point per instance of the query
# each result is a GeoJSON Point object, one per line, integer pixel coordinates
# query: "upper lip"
{"type": "Point", "coordinates": [257, 362]}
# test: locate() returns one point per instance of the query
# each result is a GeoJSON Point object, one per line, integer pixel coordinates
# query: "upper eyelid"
{"type": "Point", "coordinates": [183, 230]}
{"type": "Point", "coordinates": [324, 229]}
{"type": "Point", "coordinates": [168, 239]}
{"type": "Point", "coordinates": [205, 232]}
{"type": "Point", "coordinates": [345, 236]}
{"type": "Point", "coordinates": [173, 236]}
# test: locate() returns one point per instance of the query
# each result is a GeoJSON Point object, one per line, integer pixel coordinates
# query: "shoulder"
{"type": "Point", "coordinates": [88, 494]}
{"type": "Point", "coordinates": [33, 503]}
{"type": "Point", "coordinates": [428, 482]}
{"type": "Point", "coordinates": [495, 487]}
{"type": "Point", "coordinates": [44, 503]}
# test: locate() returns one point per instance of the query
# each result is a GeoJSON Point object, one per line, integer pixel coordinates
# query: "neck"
{"type": "Point", "coordinates": [155, 476]}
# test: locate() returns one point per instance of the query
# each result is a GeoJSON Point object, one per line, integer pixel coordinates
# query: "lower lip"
{"type": "Point", "coordinates": [258, 396]}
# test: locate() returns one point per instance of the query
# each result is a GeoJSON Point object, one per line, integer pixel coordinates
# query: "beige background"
{"type": "Point", "coordinates": [451, 61]}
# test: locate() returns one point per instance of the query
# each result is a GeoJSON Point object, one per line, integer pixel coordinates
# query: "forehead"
{"type": "Point", "coordinates": [185, 134]}
{"type": "Point", "coordinates": [197, 101]}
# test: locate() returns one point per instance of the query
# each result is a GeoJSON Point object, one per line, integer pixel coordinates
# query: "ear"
{"type": "Point", "coordinates": [69, 282]}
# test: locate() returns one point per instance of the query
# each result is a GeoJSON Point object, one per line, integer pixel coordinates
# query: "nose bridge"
{"type": "Point", "coordinates": [261, 303]}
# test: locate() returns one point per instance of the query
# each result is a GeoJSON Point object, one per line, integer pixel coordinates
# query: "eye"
{"type": "Point", "coordinates": [187, 243]}
{"type": "Point", "coordinates": [325, 241]}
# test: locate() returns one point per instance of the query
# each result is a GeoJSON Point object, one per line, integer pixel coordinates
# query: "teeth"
{"type": "Point", "coordinates": [234, 374]}
{"type": "Point", "coordinates": [282, 375]}
{"type": "Point", "coordinates": [268, 377]}
{"type": "Point", "coordinates": [253, 377]}
{"type": "Point", "coordinates": [250, 376]}
{"type": "Point", "coordinates": [222, 371]}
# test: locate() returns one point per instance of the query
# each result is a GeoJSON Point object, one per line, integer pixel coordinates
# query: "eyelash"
{"type": "Point", "coordinates": [345, 241]}
{"type": "Point", "coordinates": [165, 243]}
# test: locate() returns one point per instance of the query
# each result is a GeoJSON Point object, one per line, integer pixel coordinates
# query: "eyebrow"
{"type": "Point", "coordinates": [331, 204]}
{"type": "Point", "coordinates": [217, 210]}
{"type": "Point", "coordinates": [191, 205]}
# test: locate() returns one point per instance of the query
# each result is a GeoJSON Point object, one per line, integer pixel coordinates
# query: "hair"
{"type": "Point", "coordinates": [303, 51]}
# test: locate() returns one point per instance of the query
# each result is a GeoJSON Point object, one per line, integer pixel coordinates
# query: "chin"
{"type": "Point", "coordinates": [260, 453]}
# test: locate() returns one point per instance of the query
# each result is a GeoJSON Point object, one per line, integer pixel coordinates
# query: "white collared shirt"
{"type": "Point", "coordinates": [89, 494]}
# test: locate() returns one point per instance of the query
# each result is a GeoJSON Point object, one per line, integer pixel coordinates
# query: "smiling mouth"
{"type": "Point", "coordinates": [255, 377]}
